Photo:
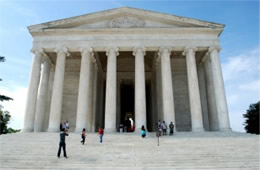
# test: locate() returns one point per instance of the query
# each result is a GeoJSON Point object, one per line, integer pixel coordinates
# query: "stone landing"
{"type": "Point", "coordinates": [129, 151]}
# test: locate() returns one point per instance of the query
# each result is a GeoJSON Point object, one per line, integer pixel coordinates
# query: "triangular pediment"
{"type": "Point", "coordinates": [124, 17]}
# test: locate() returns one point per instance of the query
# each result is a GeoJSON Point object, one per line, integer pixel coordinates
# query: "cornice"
{"type": "Point", "coordinates": [130, 31]}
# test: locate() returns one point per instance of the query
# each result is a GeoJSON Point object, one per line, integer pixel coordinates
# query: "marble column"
{"type": "Point", "coordinates": [194, 94]}
{"type": "Point", "coordinates": [42, 96]}
{"type": "Point", "coordinates": [90, 97]}
{"type": "Point", "coordinates": [84, 83]}
{"type": "Point", "coordinates": [167, 87]}
{"type": "Point", "coordinates": [213, 117]}
{"type": "Point", "coordinates": [95, 100]}
{"type": "Point", "coordinates": [203, 97]}
{"type": "Point", "coordinates": [110, 105]}
{"type": "Point", "coordinates": [49, 94]}
{"type": "Point", "coordinates": [159, 110]}
{"type": "Point", "coordinates": [219, 89]}
{"type": "Point", "coordinates": [140, 98]}
{"type": "Point", "coordinates": [32, 91]}
{"type": "Point", "coordinates": [57, 94]}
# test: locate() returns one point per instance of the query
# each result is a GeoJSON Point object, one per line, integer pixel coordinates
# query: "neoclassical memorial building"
{"type": "Point", "coordinates": [101, 68]}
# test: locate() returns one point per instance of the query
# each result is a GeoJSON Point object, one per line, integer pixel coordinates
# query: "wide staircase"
{"type": "Point", "coordinates": [210, 150]}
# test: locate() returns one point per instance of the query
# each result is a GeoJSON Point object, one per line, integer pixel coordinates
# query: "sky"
{"type": "Point", "coordinates": [239, 42]}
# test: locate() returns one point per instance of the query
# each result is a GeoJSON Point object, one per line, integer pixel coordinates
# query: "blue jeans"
{"type": "Point", "coordinates": [100, 137]}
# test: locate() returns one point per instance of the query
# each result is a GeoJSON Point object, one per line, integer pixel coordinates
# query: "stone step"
{"type": "Point", "coordinates": [123, 151]}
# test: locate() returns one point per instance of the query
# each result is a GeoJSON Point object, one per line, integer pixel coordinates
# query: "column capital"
{"type": "Point", "coordinates": [86, 50]}
{"type": "Point", "coordinates": [188, 48]}
{"type": "Point", "coordinates": [38, 51]}
{"type": "Point", "coordinates": [139, 50]}
{"type": "Point", "coordinates": [112, 49]}
{"type": "Point", "coordinates": [63, 50]}
{"type": "Point", "coordinates": [165, 50]}
{"type": "Point", "coordinates": [212, 48]}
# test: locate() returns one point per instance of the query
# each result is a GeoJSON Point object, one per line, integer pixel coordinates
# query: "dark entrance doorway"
{"type": "Point", "coordinates": [127, 116]}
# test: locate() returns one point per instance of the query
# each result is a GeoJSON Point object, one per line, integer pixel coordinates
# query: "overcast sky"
{"type": "Point", "coordinates": [239, 42]}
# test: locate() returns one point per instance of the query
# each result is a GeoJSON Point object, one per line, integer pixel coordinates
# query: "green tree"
{"type": "Point", "coordinates": [3, 97]}
{"type": "Point", "coordinates": [252, 118]}
{"type": "Point", "coordinates": [5, 118]}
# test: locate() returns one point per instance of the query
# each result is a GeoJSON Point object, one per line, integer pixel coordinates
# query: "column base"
{"type": "Point", "coordinates": [110, 130]}
{"type": "Point", "coordinates": [53, 130]}
{"type": "Point", "coordinates": [138, 131]}
{"type": "Point", "coordinates": [78, 130]}
{"type": "Point", "coordinates": [198, 130]}
{"type": "Point", "coordinates": [27, 130]}
{"type": "Point", "coordinates": [225, 129]}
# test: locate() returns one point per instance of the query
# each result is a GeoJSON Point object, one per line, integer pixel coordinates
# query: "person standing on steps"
{"type": "Point", "coordinates": [171, 127]}
{"type": "Point", "coordinates": [64, 125]}
{"type": "Point", "coordinates": [100, 133]}
{"type": "Point", "coordinates": [61, 126]}
{"type": "Point", "coordinates": [143, 132]}
{"type": "Point", "coordinates": [164, 128]}
{"type": "Point", "coordinates": [83, 136]}
{"type": "Point", "coordinates": [62, 144]}
{"type": "Point", "coordinates": [159, 127]}
{"type": "Point", "coordinates": [67, 125]}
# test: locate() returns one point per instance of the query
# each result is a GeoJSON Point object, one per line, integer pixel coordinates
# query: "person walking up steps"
{"type": "Point", "coordinates": [83, 136]}
{"type": "Point", "coordinates": [62, 143]}
{"type": "Point", "coordinates": [101, 133]}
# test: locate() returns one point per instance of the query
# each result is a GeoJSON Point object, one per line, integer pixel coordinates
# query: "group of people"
{"type": "Point", "coordinates": [162, 128]}
{"type": "Point", "coordinates": [100, 133]}
{"type": "Point", "coordinates": [64, 125]}
{"type": "Point", "coordinates": [63, 134]}
{"type": "Point", "coordinates": [128, 125]}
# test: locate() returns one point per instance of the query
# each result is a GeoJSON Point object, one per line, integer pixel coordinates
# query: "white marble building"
{"type": "Point", "coordinates": [97, 69]}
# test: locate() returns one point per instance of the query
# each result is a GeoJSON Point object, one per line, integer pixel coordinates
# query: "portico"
{"type": "Point", "coordinates": [80, 64]}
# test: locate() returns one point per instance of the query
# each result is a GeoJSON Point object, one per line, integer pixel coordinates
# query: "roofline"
{"type": "Point", "coordinates": [216, 31]}
{"type": "Point", "coordinates": [191, 20]}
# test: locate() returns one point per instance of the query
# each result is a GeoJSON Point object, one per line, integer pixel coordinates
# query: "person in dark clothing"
{"type": "Point", "coordinates": [159, 127]}
{"type": "Point", "coordinates": [128, 125]}
{"type": "Point", "coordinates": [61, 126]}
{"type": "Point", "coordinates": [83, 136]}
{"type": "Point", "coordinates": [171, 127]}
{"type": "Point", "coordinates": [62, 144]}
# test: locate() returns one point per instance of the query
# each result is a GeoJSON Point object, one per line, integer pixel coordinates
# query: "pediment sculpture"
{"type": "Point", "coordinates": [126, 22]}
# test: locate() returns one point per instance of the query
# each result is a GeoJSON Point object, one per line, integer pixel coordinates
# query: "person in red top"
{"type": "Point", "coordinates": [101, 133]}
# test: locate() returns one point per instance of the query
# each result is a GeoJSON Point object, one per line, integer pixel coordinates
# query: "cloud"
{"type": "Point", "coordinates": [253, 85]}
{"type": "Point", "coordinates": [240, 65]}
{"type": "Point", "coordinates": [241, 74]}
{"type": "Point", "coordinates": [232, 99]}
{"type": "Point", "coordinates": [237, 121]}
{"type": "Point", "coordinates": [16, 107]}
{"type": "Point", "coordinates": [23, 11]}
